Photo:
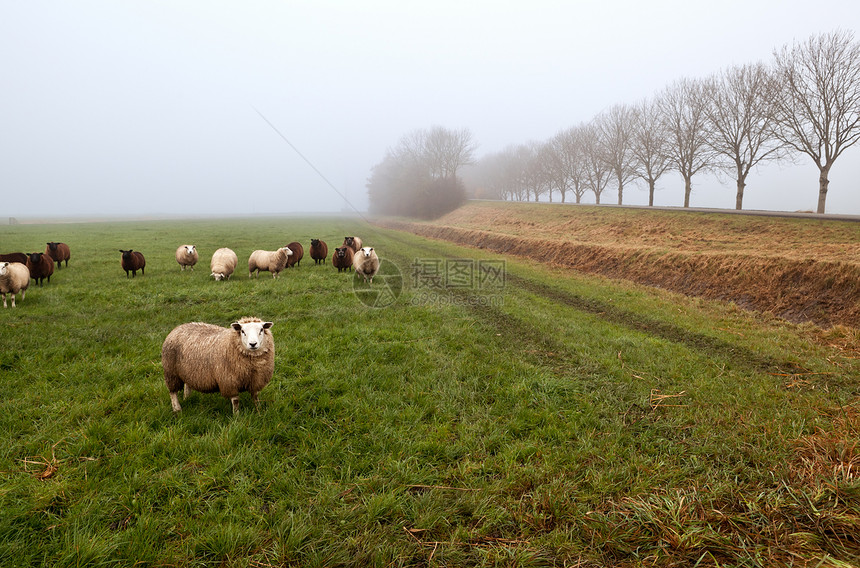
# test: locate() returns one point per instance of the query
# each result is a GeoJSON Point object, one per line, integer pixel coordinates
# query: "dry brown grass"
{"type": "Point", "coordinates": [798, 269]}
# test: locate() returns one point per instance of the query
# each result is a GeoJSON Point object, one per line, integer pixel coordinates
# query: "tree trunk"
{"type": "Point", "coordinates": [823, 183]}
{"type": "Point", "coordinates": [620, 191]}
{"type": "Point", "coordinates": [688, 189]}
{"type": "Point", "coordinates": [739, 199]}
{"type": "Point", "coordinates": [651, 184]}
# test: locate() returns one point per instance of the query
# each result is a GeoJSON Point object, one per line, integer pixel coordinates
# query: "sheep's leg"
{"type": "Point", "coordinates": [174, 401]}
{"type": "Point", "coordinates": [13, 301]}
{"type": "Point", "coordinates": [186, 391]}
{"type": "Point", "coordinates": [4, 299]}
{"type": "Point", "coordinates": [235, 401]}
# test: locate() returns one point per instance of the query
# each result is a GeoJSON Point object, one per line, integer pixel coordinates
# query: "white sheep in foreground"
{"type": "Point", "coordinates": [224, 262]}
{"type": "Point", "coordinates": [186, 255]}
{"type": "Point", "coordinates": [14, 278]}
{"type": "Point", "coordinates": [208, 358]}
{"type": "Point", "coordinates": [366, 263]}
{"type": "Point", "coordinates": [272, 260]}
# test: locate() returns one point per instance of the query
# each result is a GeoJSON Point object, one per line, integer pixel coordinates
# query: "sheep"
{"type": "Point", "coordinates": [319, 251]}
{"type": "Point", "coordinates": [59, 252]}
{"type": "Point", "coordinates": [298, 253]}
{"type": "Point", "coordinates": [14, 257]}
{"type": "Point", "coordinates": [41, 266]}
{"type": "Point", "coordinates": [132, 261]}
{"type": "Point", "coordinates": [186, 255]}
{"type": "Point", "coordinates": [14, 278]}
{"type": "Point", "coordinates": [352, 242]}
{"type": "Point", "coordinates": [208, 358]}
{"type": "Point", "coordinates": [223, 263]}
{"type": "Point", "coordinates": [274, 261]}
{"type": "Point", "coordinates": [342, 258]}
{"type": "Point", "coordinates": [366, 263]}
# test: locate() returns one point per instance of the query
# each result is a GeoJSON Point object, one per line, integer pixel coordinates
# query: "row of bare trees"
{"type": "Point", "coordinates": [805, 102]}
{"type": "Point", "coordinates": [418, 177]}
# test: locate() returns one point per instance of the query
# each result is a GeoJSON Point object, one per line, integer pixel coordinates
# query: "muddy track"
{"type": "Point", "coordinates": [823, 292]}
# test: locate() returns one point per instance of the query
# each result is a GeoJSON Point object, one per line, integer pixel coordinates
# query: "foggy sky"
{"type": "Point", "coordinates": [151, 107]}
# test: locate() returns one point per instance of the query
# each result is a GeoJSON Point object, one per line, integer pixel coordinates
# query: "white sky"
{"type": "Point", "coordinates": [133, 107]}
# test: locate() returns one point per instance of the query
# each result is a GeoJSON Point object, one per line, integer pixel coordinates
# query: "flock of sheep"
{"type": "Point", "coordinates": [17, 269]}
{"type": "Point", "coordinates": [208, 358]}
{"type": "Point", "coordinates": [200, 356]}
{"type": "Point", "coordinates": [350, 255]}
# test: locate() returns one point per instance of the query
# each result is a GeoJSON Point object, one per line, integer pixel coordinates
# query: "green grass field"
{"type": "Point", "coordinates": [494, 413]}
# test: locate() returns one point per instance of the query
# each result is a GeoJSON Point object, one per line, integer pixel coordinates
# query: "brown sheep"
{"type": "Point", "coordinates": [41, 266]}
{"type": "Point", "coordinates": [14, 257]}
{"type": "Point", "coordinates": [132, 261]}
{"type": "Point", "coordinates": [319, 251]}
{"type": "Point", "coordinates": [352, 242]}
{"type": "Point", "coordinates": [208, 358]}
{"type": "Point", "coordinates": [298, 253]}
{"type": "Point", "coordinates": [59, 252]}
{"type": "Point", "coordinates": [342, 258]}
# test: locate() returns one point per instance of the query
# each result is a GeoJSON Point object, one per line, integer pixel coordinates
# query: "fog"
{"type": "Point", "coordinates": [147, 108]}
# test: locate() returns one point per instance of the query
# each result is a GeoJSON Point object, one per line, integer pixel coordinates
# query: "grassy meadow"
{"type": "Point", "coordinates": [475, 410]}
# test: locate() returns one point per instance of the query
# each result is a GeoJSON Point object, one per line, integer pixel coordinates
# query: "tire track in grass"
{"type": "Point", "coordinates": [516, 329]}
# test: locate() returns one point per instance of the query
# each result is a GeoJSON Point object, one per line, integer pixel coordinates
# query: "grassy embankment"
{"type": "Point", "coordinates": [799, 269]}
{"type": "Point", "coordinates": [559, 419]}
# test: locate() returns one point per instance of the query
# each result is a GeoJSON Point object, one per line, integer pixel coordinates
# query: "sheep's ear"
{"type": "Point", "coordinates": [267, 325]}
{"type": "Point", "coordinates": [237, 326]}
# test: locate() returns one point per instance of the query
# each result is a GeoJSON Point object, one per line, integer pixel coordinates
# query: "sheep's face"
{"type": "Point", "coordinates": [189, 250]}
{"type": "Point", "coordinates": [340, 251]}
{"type": "Point", "coordinates": [315, 242]}
{"type": "Point", "coordinates": [4, 269]}
{"type": "Point", "coordinates": [287, 251]}
{"type": "Point", "coordinates": [254, 335]}
{"type": "Point", "coordinates": [35, 257]}
{"type": "Point", "coordinates": [218, 276]}
{"type": "Point", "coordinates": [367, 251]}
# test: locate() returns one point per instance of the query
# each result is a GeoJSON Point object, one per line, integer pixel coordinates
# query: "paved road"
{"type": "Point", "coordinates": [760, 212]}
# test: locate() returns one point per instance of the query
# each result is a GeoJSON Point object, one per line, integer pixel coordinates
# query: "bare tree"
{"type": "Point", "coordinates": [534, 173]}
{"type": "Point", "coordinates": [596, 171]}
{"type": "Point", "coordinates": [551, 162]}
{"type": "Point", "coordinates": [682, 106]}
{"type": "Point", "coordinates": [741, 121]}
{"type": "Point", "coordinates": [818, 111]}
{"type": "Point", "coordinates": [440, 150]}
{"type": "Point", "coordinates": [648, 145]}
{"type": "Point", "coordinates": [571, 148]}
{"type": "Point", "coordinates": [614, 128]}
{"type": "Point", "coordinates": [419, 176]}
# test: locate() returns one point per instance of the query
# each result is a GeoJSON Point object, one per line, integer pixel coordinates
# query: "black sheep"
{"type": "Point", "coordinates": [14, 257]}
{"type": "Point", "coordinates": [41, 266]}
{"type": "Point", "coordinates": [342, 258]}
{"type": "Point", "coordinates": [298, 252]}
{"type": "Point", "coordinates": [59, 252]}
{"type": "Point", "coordinates": [319, 251]}
{"type": "Point", "coordinates": [132, 261]}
